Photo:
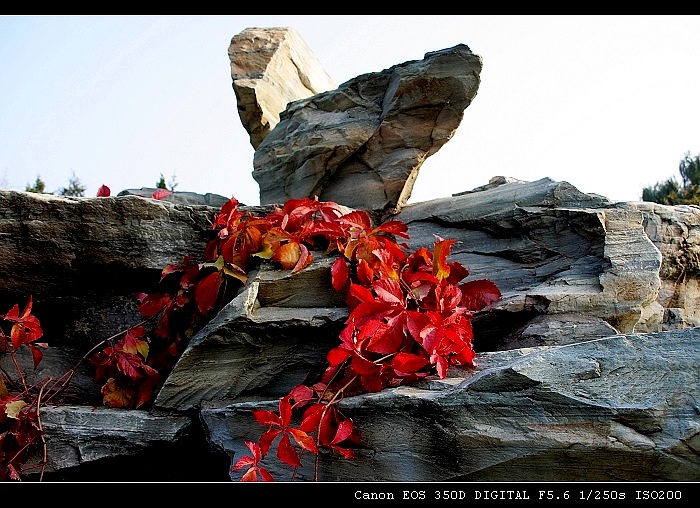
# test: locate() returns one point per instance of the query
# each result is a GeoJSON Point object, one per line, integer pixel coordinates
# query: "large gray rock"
{"type": "Point", "coordinates": [552, 250]}
{"type": "Point", "coordinates": [273, 336]}
{"type": "Point", "coordinates": [271, 67]}
{"type": "Point", "coordinates": [363, 144]}
{"type": "Point", "coordinates": [621, 408]}
{"type": "Point", "coordinates": [81, 434]}
{"type": "Point", "coordinates": [83, 258]}
{"type": "Point", "coordinates": [181, 197]}
{"type": "Point", "coordinates": [564, 375]}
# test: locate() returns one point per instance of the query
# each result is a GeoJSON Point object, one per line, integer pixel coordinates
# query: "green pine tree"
{"type": "Point", "coordinates": [38, 187]}
{"type": "Point", "coordinates": [161, 183]}
{"type": "Point", "coordinates": [670, 192]}
{"type": "Point", "coordinates": [75, 188]}
{"type": "Point", "coordinates": [170, 186]}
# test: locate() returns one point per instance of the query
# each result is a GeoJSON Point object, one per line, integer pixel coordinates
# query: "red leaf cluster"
{"type": "Point", "coordinates": [19, 431]}
{"type": "Point", "coordinates": [130, 380]}
{"type": "Point", "coordinates": [410, 317]}
{"type": "Point", "coordinates": [19, 417]}
{"type": "Point", "coordinates": [25, 329]}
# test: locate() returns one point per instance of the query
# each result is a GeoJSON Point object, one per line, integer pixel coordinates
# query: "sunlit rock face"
{"type": "Point", "coordinates": [362, 144]}
{"type": "Point", "coordinates": [271, 67]}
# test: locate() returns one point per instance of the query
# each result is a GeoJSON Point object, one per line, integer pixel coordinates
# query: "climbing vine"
{"type": "Point", "coordinates": [409, 317]}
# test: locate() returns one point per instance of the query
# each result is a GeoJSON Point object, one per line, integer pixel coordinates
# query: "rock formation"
{"type": "Point", "coordinates": [361, 144]}
{"type": "Point", "coordinates": [271, 67]}
{"type": "Point", "coordinates": [588, 367]}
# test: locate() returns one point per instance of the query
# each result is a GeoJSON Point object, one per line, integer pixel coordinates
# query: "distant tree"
{"type": "Point", "coordinates": [168, 186]}
{"type": "Point", "coordinates": [665, 193]}
{"type": "Point", "coordinates": [75, 188]}
{"type": "Point", "coordinates": [689, 169]}
{"type": "Point", "coordinates": [670, 192]}
{"type": "Point", "coordinates": [38, 187]}
{"type": "Point", "coordinates": [172, 184]}
{"type": "Point", "coordinates": [161, 183]}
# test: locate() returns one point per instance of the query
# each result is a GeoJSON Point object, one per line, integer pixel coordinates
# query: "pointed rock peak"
{"type": "Point", "coordinates": [271, 67]}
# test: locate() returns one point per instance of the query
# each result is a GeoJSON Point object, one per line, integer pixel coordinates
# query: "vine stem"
{"type": "Point", "coordinates": [41, 430]}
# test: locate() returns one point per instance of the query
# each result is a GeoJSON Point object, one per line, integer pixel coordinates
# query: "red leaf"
{"type": "Point", "coordinates": [207, 292]}
{"type": "Point", "coordinates": [243, 462]}
{"type": "Point", "coordinates": [339, 274]}
{"type": "Point", "coordinates": [301, 395]}
{"type": "Point", "coordinates": [344, 431]}
{"type": "Point", "coordinates": [337, 355]}
{"type": "Point", "coordinates": [358, 294]}
{"type": "Point", "coordinates": [405, 362]}
{"type": "Point", "coordinates": [357, 219]}
{"type": "Point", "coordinates": [287, 453]}
{"type": "Point", "coordinates": [364, 367]}
{"type": "Point", "coordinates": [265, 417]}
{"type": "Point", "coordinates": [152, 304]}
{"type": "Point", "coordinates": [103, 191]}
{"type": "Point", "coordinates": [161, 193]}
{"type": "Point", "coordinates": [395, 227]}
{"type": "Point", "coordinates": [346, 453]}
{"type": "Point", "coordinates": [388, 291]}
{"type": "Point", "coordinates": [13, 313]}
{"type": "Point", "coordinates": [312, 417]}
{"type": "Point", "coordinates": [26, 326]}
{"type": "Point", "coordinates": [477, 294]}
{"type": "Point", "coordinates": [285, 411]}
{"type": "Point", "coordinates": [37, 355]}
{"type": "Point", "coordinates": [251, 475]}
{"type": "Point", "coordinates": [128, 364]}
{"type": "Point", "coordinates": [265, 475]}
{"type": "Point", "coordinates": [267, 438]}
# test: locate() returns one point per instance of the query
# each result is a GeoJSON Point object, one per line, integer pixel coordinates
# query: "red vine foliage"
{"type": "Point", "coordinates": [20, 427]}
{"type": "Point", "coordinates": [409, 317]}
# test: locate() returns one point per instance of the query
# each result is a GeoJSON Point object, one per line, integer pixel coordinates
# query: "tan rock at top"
{"type": "Point", "coordinates": [271, 67]}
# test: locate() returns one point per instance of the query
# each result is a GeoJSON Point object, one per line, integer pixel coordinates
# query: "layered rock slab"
{"type": "Point", "coordinates": [273, 336]}
{"type": "Point", "coordinates": [534, 233]}
{"type": "Point", "coordinates": [552, 250]}
{"type": "Point", "coordinates": [83, 258]}
{"type": "Point", "coordinates": [362, 144]}
{"type": "Point", "coordinates": [621, 408]}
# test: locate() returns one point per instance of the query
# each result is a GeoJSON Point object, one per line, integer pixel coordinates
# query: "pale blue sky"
{"type": "Point", "coordinates": [609, 104]}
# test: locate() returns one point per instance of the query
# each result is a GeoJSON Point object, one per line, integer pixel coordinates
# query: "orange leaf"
{"type": "Point", "coordinates": [441, 269]}
{"type": "Point", "coordinates": [115, 396]}
{"type": "Point", "coordinates": [304, 440]}
{"type": "Point", "coordinates": [287, 255]}
{"type": "Point", "coordinates": [305, 259]}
